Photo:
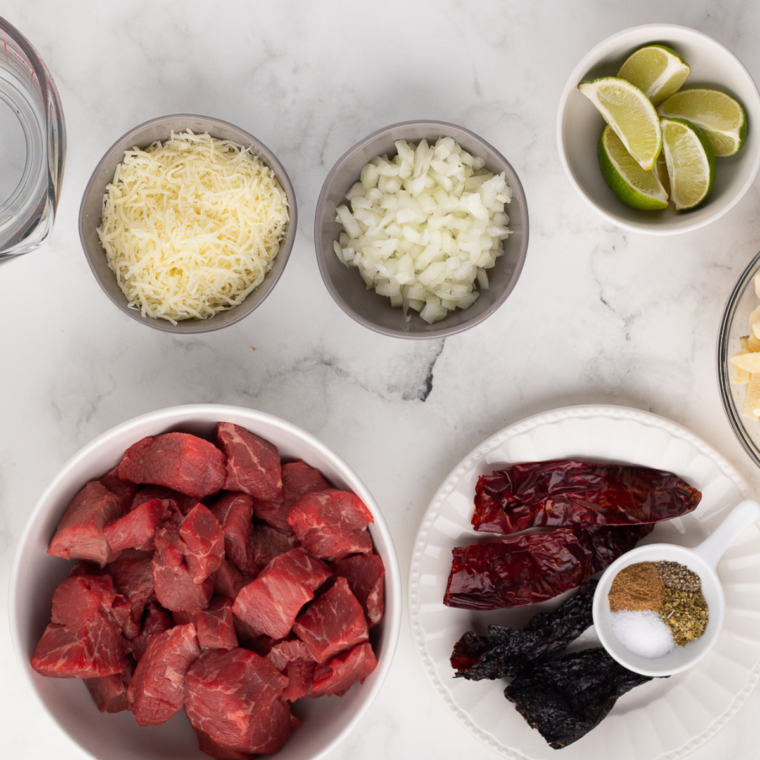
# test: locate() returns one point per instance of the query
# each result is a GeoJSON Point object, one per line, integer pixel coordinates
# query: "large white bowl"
{"type": "Point", "coordinates": [36, 575]}
{"type": "Point", "coordinates": [579, 125]}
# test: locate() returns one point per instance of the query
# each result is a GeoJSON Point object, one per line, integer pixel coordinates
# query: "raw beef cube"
{"type": "Point", "coordinates": [253, 464]}
{"type": "Point", "coordinates": [79, 534]}
{"type": "Point", "coordinates": [272, 601]}
{"type": "Point", "coordinates": [157, 689]}
{"type": "Point", "coordinates": [156, 621]}
{"type": "Point", "coordinates": [133, 529]}
{"type": "Point", "coordinates": [80, 599]}
{"type": "Point", "coordinates": [338, 674]}
{"type": "Point", "coordinates": [123, 489]}
{"type": "Point", "coordinates": [83, 567]}
{"type": "Point", "coordinates": [262, 644]}
{"type": "Point", "coordinates": [248, 636]}
{"type": "Point", "coordinates": [298, 479]}
{"type": "Point", "coordinates": [286, 651]}
{"type": "Point", "coordinates": [180, 461]}
{"type": "Point", "coordinates": [331, 524]}
{"type": "Point", "coordinates": [169, 543]}
{"type": "Point", "coordinates": [228, 580]}
{"type": "Point", "coordinates": [93, 650]}
{"type": "Point", "coordinates": [184, 502]}
{"type": "Point", "coordinates": [175, 589]}
{"type": "Point", "coordinates": [208, 746]}
{"type": "Point", "coordinates": [235, 514]}
{"type": "Point", "coordinates": [364, 573]}
{"type": "Point", "coordinates": [268, 543]}
{"type": "Point", "coordinates": [215, 626]}
{"type": "Point", "coordinates": [120, 614]}
{"type": "Point", "coordinates": [293, 659]}
{"type": "Point", "coordinates": [300, 675]}
{"type": "Point", "coordinates": [333, 623]}
{"type": "Point", "coordinates": [133, 573]}
{"type": "Point", "coordinates": [203, 542]}
{"type": "Point", "coordinates": [110, 692]}
{"type": "Point", "coordinates": [235, 698]}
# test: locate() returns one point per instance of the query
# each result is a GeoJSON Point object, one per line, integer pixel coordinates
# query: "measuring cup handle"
{"type": "Point", "coordinates": [741, 517]}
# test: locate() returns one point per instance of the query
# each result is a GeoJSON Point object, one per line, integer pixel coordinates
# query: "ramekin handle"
{"type": "Point", "coordinates": [741, 517]}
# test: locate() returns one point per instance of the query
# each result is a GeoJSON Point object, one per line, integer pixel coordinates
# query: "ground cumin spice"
{"type": "Point", "coordinates": [637, 587]}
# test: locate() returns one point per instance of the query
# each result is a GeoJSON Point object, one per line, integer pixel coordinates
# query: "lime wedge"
{"type": "Point", "coordinates": [656, 70]}
{"type": "Point", "coordinates": [630, 113]}
{"type": "Point", "coordinates": [718, 114]}
{"type": "Point", "coordinates": [661, 170]}
{"type": "Point", "coordinates": [626, 178]}
{"type": "Point", "coordinates": [690, 160]}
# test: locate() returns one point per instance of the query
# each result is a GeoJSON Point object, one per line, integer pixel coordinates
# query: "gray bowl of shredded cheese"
{"type": "Point", "coordinates": [187, 223]}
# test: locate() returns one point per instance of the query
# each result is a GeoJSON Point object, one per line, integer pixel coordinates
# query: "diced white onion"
{"type": "Point", "coordinates": [424, 225]}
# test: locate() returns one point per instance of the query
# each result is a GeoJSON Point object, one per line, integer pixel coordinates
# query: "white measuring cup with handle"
{"type": "Point", "coordinates": [702, 559]}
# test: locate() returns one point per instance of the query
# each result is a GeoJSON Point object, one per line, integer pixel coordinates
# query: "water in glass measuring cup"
{"type": "Point", "coordinates": [32, 146]}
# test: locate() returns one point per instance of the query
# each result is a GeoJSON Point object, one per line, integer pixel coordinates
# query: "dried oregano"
{"type": "Point", "coordinates": [686, 614]}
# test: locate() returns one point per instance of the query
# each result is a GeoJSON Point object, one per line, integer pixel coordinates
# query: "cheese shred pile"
{"type": "Point", "coordinates": [191, 226]}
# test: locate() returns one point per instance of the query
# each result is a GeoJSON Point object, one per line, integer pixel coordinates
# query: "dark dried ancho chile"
{"type": "Point", "coordinates": [561, 493]}
{"type": "Point", "coordinates": [504, 650]}
{"type": "Point", "coordinates": [564, 699]}
{"type": "Point", "coordinates": [529, 569]}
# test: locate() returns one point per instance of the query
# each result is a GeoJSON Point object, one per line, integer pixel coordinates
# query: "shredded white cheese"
{"type": "Point", "coordinates": [191, 226]}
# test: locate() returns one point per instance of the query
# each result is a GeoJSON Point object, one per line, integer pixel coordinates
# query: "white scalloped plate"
{"type": "Point", "coordinates": [660, 720]}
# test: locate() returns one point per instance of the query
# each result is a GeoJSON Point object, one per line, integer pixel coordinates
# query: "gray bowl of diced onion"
{"type": "Point", "coordinates": [347, 284]}
{"type": "Point", "coordinates": [91, 209]}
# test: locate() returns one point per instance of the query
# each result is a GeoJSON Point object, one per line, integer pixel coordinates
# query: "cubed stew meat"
{"type": "Point", "coordinates": [215, 578]}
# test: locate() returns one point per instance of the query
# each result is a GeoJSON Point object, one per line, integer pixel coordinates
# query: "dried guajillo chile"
{"type": "Point", "coordinates": [567, 697]}
{"type": "Point", "coordinates": [504, 651]}
{"type": "Point", "coordinates": [561, 493]}
{"type": "Point", "coordinates": [533, 568]}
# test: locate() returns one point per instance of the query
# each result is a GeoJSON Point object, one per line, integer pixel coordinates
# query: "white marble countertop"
{"type": "Point", "coordinates": [598, 315]}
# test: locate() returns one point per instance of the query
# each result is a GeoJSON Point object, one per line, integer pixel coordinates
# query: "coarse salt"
{"type": "Point", "coordinates": [643, 632]}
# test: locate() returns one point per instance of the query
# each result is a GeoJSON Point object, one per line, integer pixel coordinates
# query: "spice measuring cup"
{"type": "Point", "coordinates": [702, 559]}
{"type": "Point", "coordinates": [32, 146]}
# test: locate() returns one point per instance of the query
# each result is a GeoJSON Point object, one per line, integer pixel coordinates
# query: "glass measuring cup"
{"type": "Point", "coordinates": [32, 146]}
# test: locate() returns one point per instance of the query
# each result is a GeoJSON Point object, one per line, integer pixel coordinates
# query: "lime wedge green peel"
{"type": "Point", "coordinates": [690, 160]}
{"type": "Point", "coordinates": [656, 70]}
{"type": "Point", "coordinates": [626, 178]}
{"type": "Point", "coordinates": [630, 114]}
{"type": "Point", "coordinates": [719, 115]}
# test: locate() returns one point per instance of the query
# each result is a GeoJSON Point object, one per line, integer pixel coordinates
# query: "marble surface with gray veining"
{"type": "Point", "coordinates": [599, 315]}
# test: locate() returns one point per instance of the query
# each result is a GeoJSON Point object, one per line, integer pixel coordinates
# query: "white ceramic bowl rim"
{"type": "Point", "coordinates": [178, 415]}
{"type": "Point", "coordinates": [658, 32]}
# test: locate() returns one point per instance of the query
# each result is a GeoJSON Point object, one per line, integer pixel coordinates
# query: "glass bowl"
{"type": "Point", "coordinates": [735, 323]}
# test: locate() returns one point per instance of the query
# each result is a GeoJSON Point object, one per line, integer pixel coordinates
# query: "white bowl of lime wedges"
{"type": "Point", "coordinates": [629, 177]}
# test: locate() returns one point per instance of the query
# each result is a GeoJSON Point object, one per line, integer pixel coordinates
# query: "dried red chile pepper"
{"type": "Point", "coordinates": [561, 493]}
{"type": "Point", "coordinates": [565, 698]}
{"type": "Point", "coordinates": [529, 569]}
{"type": "Point", "coordinates": [504, 651]}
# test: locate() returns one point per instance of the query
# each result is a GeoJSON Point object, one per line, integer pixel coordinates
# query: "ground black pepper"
{"type": "Point", "coordinates": [677, 576]}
